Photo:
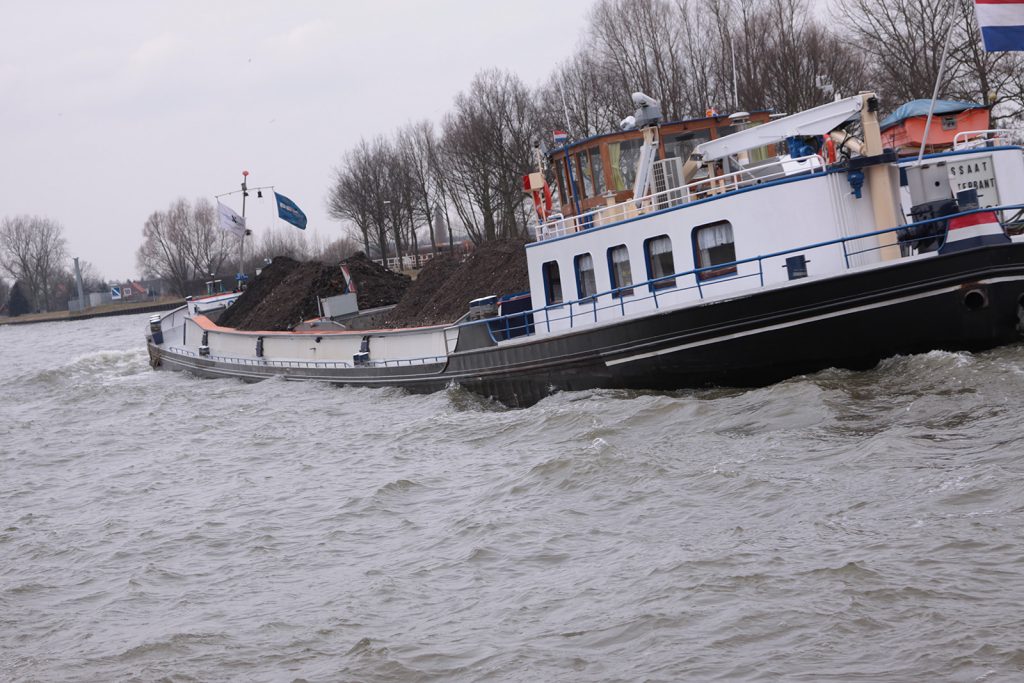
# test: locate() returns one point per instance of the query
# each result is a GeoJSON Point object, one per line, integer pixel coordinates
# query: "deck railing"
{"type": "Point", "coordinates": [677, 196]}
{"type": "Point", "coordinates": [623, 300]}
{"type": "Point", "coordinates": [405, 263]}
{"type": "Point", "coordinates": [309, 364]}
{"type": "Point", "coordinates": [990, 137]}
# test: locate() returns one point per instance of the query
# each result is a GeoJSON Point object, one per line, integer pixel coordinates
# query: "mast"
{"type": "Point", "coordinates": [938, 79]}
{"type": "Point", "coordinates": [241, 241]}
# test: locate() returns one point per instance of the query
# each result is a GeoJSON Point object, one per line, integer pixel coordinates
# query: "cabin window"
{"type": "Point", "coordinates": [586, 283]}
{"type": "Point", "coordinates": [682, 145]}
{"type": "Point", "coordinates": [563, 198]}
{"type": "Point", "coordinates": [586, 178]}
{"type": "Point", "coordinates": [623, 157]}
{"type": "Point", "coordinates": [658, 251]}
{"type": "Point", "coordinates": [618, 269]}
{"type": "Point", "coordinates": [597, 166]}
{"type": "Point", "coordinates": [552, 283]}
{"type": "Point", "coordinates": [714, 245]}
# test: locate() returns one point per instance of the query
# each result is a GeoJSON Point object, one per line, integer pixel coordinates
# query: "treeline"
{"type": "Point", "coordinates": [33, 253]}
{"type": "Point", "coordinates": [185, 246]}
{"type": "Point", "coordinates": [692, 55]}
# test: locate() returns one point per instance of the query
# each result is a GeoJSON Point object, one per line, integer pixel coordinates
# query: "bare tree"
{"type": "Point", "coordinates": [33, 251]}
{"type": "Point", "coordinates": [592, 102]}
{"type": "Point", "coordinates": [349, 197]}
{"type": "Point", "coordinates": [336, 251]}
{"type": "Point", "coordinates": [905, 39]}
{"type": "Point", "coordinates": [183, 243]}
{"type": "Point", "coordinates": [993, 78]}
{"type": "Point", "coordinates": [281, 241]}
{"type": "Point", "coordinates": [360, 193]}
{"type": "Point", "coordinates": [486, 149]}
{"type": "Point", "coordinates": [418, 144]}
{"type": "Point", "coordinates": [639, 43]}
{"type": "Point", "coordinates": [783, 52]}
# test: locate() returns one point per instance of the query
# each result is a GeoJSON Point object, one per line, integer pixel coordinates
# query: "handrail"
{"type": "Point", "coordinates": [960, 140]}
{"type": "Point", "coordinates": [675, 196]}
{"type": "Point", "coordinates": [261, 361]}
{"type": "Point", "coordinates": [589, 305]}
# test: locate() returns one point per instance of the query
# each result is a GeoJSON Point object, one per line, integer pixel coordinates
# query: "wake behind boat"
{"type": "Point", "coordinates": [743, 266]}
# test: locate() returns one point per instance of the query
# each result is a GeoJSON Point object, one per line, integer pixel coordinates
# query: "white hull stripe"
{"type": "Point", "coordinates": [803, 321]}
{"type": "Point", "coordinates": [967, 232]}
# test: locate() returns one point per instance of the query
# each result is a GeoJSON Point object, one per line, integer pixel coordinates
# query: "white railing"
{"type": "Point", "coordinates": [991, 137]}
{"type": "Point", "coordinates": [407, 262]}
{"type": "Point", "coordinates": [262, 361]}
{"type": "Point", "coordinates": [677, 196]}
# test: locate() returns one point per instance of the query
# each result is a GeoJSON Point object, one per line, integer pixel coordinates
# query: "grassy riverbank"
{"type": "Point", "coordinates": [95, 312]}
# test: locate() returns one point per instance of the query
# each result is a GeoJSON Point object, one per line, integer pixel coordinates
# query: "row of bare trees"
{"type": "Point", "coordinates": [184, 245]}
{"type": "Point", "coordinates": [424, 178]}
{"type": "Point", "coordinates": [783, 55]}
{"type": "Point", "coordinates": [33, 253]}
{"type": "Point", "coordinates": [906, 38]}
{"type": "Point", "coordinates": [692, 55]}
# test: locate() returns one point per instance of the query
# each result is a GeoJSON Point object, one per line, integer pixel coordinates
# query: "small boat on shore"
{"type": "Point", "coordinates": [742, 267]}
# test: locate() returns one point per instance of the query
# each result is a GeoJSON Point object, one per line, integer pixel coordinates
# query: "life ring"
{"type": "Point", "coordinates": [542, 201]}
{"type": "Point", "coordinates": [830, 150]}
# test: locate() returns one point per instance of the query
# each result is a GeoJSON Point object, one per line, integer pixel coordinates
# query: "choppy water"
{"type": "Point", "coordinates": [838, 527]}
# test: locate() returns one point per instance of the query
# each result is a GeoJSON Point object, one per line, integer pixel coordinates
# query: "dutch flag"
{"type": "Point", "coordinates": [1002, 24]}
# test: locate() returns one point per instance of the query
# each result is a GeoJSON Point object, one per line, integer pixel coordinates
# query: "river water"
{"type": "Point", "coordinates": [835, 527]}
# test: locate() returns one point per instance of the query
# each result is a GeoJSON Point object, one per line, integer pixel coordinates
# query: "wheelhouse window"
{"type": "Point", "coordinates": [623, 157]}
{"type": "Point", "coordinates": [618, 269]}
{"type": "Point", "coordinates": [586, 283]}
{"type": "Point", "coordinates": [658, 251]}
{"type": "Point", "coordinates": [552, 283]}
{"type": "Point", "coordinates": [583, 159]}
{"type": "Point", "coordinates": [563, 198]}
{"type": "Point", "coordinates": [714, 245]}
{"type": "Point", "coordinates": [597, 166]}
{"type": "Point", "coordinates": [683, 144]}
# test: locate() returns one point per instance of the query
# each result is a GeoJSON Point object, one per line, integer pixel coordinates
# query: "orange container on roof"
{"type": "Point", "coordinates": [904, 128]}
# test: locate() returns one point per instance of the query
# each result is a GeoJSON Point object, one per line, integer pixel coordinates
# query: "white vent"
{"type": "Point", "coordinates": [668, 177]}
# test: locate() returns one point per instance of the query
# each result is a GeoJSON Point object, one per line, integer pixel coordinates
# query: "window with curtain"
{"type": "Point", "coordinates": [714, 245]}
{"type": "Point", "coordinates": [623, 157]}
{"type": "Point", "coordinates": [586, 283]}
{"type": "Point", "coordinates": [618, 267]}
{"type": "Point", "coordinates": [658, 251]}
{"type": "Point", "coordinates": [552, 283]}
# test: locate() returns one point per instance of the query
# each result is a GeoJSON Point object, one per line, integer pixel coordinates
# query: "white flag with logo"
{"type": "Point", "coordinates": [230, 221]}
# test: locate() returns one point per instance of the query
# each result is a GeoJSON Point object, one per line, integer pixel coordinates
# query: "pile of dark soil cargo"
{"type": "Point", "coordinates": [287, 292]}
{"type": "Point", "coordinates": [442, 291]}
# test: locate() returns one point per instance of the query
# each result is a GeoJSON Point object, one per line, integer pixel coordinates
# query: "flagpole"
{"type": "Point", "coordinates": [565, 151]}
{"type": "Point", "coordinates": [938, 80]}
{"type": "Point", "coordinates": [241, 240]}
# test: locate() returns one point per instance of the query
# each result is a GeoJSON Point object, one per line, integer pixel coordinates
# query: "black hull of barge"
{"type": "Point", "coordinates": [970, 300]}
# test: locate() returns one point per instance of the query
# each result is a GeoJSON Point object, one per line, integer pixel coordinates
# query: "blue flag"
{"type": "Point", "coordinates": [288, 211]}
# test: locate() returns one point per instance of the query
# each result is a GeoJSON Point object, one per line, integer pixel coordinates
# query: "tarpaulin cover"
{"type": "Point", "coordinates": [920, 108]}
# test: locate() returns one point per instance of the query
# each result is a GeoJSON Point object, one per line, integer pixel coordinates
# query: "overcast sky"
{"type": "Point", "coordinates": [111, 110]}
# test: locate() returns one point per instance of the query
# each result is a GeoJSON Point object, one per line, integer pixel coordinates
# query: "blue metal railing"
{"type": "Point", "coordinates": [590, 306]}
